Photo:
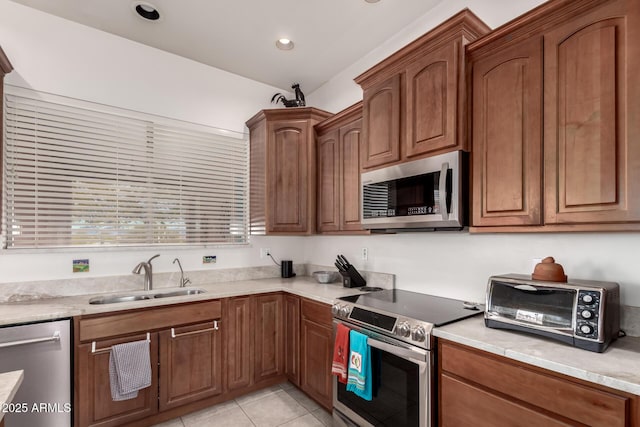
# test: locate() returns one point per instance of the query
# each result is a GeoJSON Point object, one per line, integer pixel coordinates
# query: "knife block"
{"type": "Point", "coordinates": [351, 278]}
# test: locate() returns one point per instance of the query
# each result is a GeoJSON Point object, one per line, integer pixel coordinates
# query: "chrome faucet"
{"type": "Point", "coordinates": [183, 281]}
{"type": "Point", "coordinates": [148, 272]}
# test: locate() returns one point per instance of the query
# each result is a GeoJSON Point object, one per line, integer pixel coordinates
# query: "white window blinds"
{"type": "Point", "coordinates": [78, 174]}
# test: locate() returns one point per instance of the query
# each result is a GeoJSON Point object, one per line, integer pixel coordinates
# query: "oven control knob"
{"type": "Point", "coordinates": [404, 329]}
{"type": "Point", "coordinates": [335, 310]}
{"type": "Point", "coordinates": [586, 329]}
{"type": "Point", "coordinates": [418, 334]}
{"type": "Point", "coordinates": [586, 314]}
{"type": "Point", "coordinates": [588, 299]}
{"type": "Point", "coordinates": [344, 311]}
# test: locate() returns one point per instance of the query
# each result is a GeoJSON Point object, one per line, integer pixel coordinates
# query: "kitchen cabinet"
{"type": "Point", "coordinates": [316, 351]}
{"type": "Point", "coordinates": [414, 101]}
{"type": "Point", "coordinates": [183, 369]}
{"type": "Point", "coordinates": [484, 389]}
{"type": "Point", "coordinates": [190, 366]}
{"type": "Point", "coordinates": [292, 338]}
{"type": "Point", "coordinates": [338, 144]}
{"type": "Point", "coordinates": [239, 343]}
{"type": "Point", "coordinates": [283, 170]}
{"type": "Point", "coordinates": [554, 107]}
{"type": "Point", "coordinates": [268, 338]}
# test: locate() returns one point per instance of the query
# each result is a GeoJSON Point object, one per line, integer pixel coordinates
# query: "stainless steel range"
{"type": "Point", "coordinates": [398, 325]}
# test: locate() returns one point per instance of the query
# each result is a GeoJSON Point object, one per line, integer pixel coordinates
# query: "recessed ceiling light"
{"type": "Point", "coordinates": [146, 11]}
{"type": "Point", "coordinates": [372, 1]}
{"type": "Point", "coordinates": [284, 44]}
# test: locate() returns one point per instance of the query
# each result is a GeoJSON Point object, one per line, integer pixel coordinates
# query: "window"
{"type": "Point", "coordinates": [78, 174]}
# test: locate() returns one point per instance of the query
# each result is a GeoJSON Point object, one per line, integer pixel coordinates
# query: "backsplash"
{"type": "Point", "coordinates": [24, 291]}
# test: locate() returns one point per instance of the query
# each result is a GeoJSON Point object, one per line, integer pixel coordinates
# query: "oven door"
{"type": "Point", "coordinates": [402, 379]}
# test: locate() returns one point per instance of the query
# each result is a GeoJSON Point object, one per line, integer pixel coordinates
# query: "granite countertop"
{"type": "Point", "coordinates": [9, 384]}
{"type": "Point", "coordinates": [618, 367]}
{"type": "Point", "coordinates": [57, 308]}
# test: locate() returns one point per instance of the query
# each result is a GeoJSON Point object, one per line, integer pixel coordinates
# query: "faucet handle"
{"type": "Point", "coordinates": [185, 282]}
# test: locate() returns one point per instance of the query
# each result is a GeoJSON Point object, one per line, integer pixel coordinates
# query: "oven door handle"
{"type": "Point", "coordinates": [399, 351]}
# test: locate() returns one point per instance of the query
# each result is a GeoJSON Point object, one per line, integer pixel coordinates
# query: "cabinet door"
{"type": "Point", "coordinates": [592, 155]}
{"type": "Point", "coordinates": [507, 137]}
{"type": "Point", "coordinates": [432, 101]}
{"type": "Point", "coordinates": [238, 343]}
{"type": "Point", "coordinates": [381, 122]}
{"type": "Point", "coordinates": [316, 352]}
{"type": "Point", "coordinates": [328, 182]}
{"type": "Point", "coordinates": [292, 338]}
{"type": "Point", "coordinates": [269, 361]}
{"type": "Point", "coordinates": [190, 363]}
{"type": "Point", "coordinates": [289, 174]}
{"type": "Point", "coordinates": [350, 143]}
{"type": "Point", "coordinates": [92, 387]}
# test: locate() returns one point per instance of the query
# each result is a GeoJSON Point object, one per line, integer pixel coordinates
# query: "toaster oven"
{"type": "Point", "coordinates": [582, 313]}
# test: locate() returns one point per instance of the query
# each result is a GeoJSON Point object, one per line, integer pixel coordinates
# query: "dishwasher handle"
{"type": "Point", "coordinates": [54, 338]}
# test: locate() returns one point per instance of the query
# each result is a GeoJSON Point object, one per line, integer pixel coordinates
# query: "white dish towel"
{"type": "Point", "coordinates": [129, 369]}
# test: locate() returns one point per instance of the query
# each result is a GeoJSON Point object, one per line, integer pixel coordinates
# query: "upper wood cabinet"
{"type": "Point", "coordinates": [414, 101]}
{"type": "Point", "coordinates": [555, 102]}
{"type": "Point", "coordinates": [339, 142]}
{"type": "Point", "coordinates": [283, 170]}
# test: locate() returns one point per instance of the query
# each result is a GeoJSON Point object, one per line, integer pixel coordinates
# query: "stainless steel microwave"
{"type": "Point", "coordinates": [582, 313]}
{"type": "Point", "coordinates": [424, 194]}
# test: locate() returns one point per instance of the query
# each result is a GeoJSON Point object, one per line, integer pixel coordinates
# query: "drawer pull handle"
{"type": "Point", "coordinates": [107, 349]}
{"type": "Point", "coordinates": [55, 337]}
{"type": "Point", "coordinates": [215, 327]}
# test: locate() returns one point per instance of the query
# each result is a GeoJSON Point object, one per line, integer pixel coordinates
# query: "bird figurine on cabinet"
{"type": "Point", "coordinates": [298, 102]}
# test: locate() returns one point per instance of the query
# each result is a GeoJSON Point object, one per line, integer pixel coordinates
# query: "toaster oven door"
{"type": "Point", "coordinates": [532, 305]}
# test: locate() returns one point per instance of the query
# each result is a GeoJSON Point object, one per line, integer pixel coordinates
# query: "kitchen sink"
{"type": "Point", "coordinates": [181, 292]}
{"type": "Point", "coordinates": [141, 297]}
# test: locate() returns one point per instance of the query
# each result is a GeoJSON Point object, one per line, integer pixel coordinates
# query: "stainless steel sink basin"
{"type": "Point", "coordinates": [189, 291]}
{"type": "Point", "coordinates": [118, 298]}
{"type": "Point", "coordinates": [127, 298]}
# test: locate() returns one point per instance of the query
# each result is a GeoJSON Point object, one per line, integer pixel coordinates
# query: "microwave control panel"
{"type": "Point", "coordinates": [588, 314]}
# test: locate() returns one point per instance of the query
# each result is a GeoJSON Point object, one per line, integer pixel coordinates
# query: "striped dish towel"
{"type": "Point", "coordinates": [129, 369]}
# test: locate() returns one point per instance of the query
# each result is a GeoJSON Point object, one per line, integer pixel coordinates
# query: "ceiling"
{"type": "Point", "coordinates": [239, 36]}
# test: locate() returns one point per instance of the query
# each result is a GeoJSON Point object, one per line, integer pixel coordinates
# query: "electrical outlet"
{"type": "Point", "coordinates": [365, 254]}
{"type": "Point", "coordinates": [265, 252]}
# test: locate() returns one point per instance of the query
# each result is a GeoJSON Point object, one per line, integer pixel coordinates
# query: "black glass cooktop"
{"type": "Point", "coordinates": [427, 308]}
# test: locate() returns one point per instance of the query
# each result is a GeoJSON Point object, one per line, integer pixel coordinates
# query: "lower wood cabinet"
{"type": "Point", "coordinates": [483, 389]}
{"type": "Point", "coordinates": [94, 406]}
{"type": "Point", "coordinates": [190, 363]}
{"type": "Point", "coordinates": [316, 348]}
{"type": "Point", "coordinates": [268, 333]}
{"type": "Point", "coordinates": [239, 343]}
{"type": "Point", "coordinates": [186, 356]}
{"type": "Point", "coordinates": [292, 338]}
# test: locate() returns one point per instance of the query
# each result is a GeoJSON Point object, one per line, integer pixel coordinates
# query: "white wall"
{"type": "Point", "coordinates": [458, 264]}
{"type": "Point", "coordinates": [54, 55]}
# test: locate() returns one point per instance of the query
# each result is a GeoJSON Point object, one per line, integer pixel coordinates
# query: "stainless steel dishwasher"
{"type": "Point", "coordinates": [43, 352]}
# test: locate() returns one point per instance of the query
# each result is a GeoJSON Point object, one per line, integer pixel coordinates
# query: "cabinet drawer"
{"type": "Point", "coordinates": [462, 404]}
{"type": "Point", "coordinates": [92, 328]}
{"type": "Point", "coordinates": [558, 395]}
{"type": "Point", "coordinates": [316, 312]}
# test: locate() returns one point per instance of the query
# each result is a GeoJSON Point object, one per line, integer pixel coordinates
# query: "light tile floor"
{"type": "Point", "coordinates": [280, 405]}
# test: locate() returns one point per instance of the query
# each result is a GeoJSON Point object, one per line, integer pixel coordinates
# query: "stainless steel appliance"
{"type": "Point", "coordinates": [422, 194]}
{"type": "Point", "coordinates": [583, 313]}
{"type": "Point", "coordinates": [398, 325]}
{"type": "Point", "coordinates": [43, 352]}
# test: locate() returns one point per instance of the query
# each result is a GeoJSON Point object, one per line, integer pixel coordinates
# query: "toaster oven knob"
{"type": "Point", "coordinates": [587, 299]}
{"type": "Point", "coordinates": [586, 314]}
{"type": "Point", "coordinates": [586, 329]}
{"type": "Point", "coordinates": [418, 334]}
{"type": "Point", "coordinates": [404, 329]}
{"type": "Point", "coordinates": [344, 311]}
